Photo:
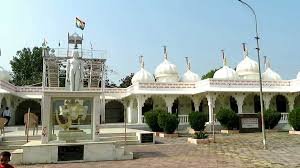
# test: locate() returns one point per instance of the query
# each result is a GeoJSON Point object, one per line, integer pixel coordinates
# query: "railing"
{"type": "Point", "coordinates": [183, 119]}
{"type": "Point", "coordinates": [284, 118]}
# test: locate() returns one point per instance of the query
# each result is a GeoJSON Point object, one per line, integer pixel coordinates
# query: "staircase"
{"type": "Point", "coordinates": [131, 138]}
{"type": "Point", "coordinates": [95, 71]}
{"type": "Point", "coordinates": [15, 142]}
{"type": "Point", "coordinates": [53, 73]}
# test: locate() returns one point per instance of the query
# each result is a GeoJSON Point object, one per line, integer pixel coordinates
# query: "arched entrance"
{"type": "Point", "coordinates": [203, 107]}
{"type": "Point", "coordinates": [183, 105]}
{"type": "Point", "coordinates": [297, 102]}
{"type": "Point", "coordinates": [279, 103]}
{"type": "Point", "coordinates": [226, 101]}
{"type": "Point", "coordinates": [148, 106]}
{"type": "Point", "coordinates": [114, 112]}
{"type": "Point", "coordinates": [251, 104]}
{"type": "Point", "coordinates": [22, 108]}
{"type": "Point", "coordinates": [3, 105]}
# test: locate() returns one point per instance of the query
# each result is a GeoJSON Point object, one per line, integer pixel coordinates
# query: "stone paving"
{"type": "Point", "coordinates": [237, 150]}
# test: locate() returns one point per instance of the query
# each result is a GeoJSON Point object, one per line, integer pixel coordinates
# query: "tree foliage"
{"type": "Point", "coordinates": [27, 67]}
{"type": "Point", "coordinates": [126, 82]}
{"type": "Point", "coordinates": [209, 74]}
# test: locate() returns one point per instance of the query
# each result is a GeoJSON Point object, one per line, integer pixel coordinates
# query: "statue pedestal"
{"type": "Point", "coordinates": [72, 135]}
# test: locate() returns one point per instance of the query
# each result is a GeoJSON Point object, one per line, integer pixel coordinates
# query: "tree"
{"type": "Point", "coordinates": [126, 82]}
{"type": "Point", "coordinates": [209, 74]}
{"type": "Point", "coordinates": [27, 67]}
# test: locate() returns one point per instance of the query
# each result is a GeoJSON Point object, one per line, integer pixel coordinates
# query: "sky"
{"type": "Point", "coordinates": [126, 29]}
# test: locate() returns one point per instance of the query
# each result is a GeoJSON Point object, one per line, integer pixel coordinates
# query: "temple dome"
{"type": "Point", "coordinates": [269, 74]}
{"type": "Point", "coordinates": [142, 76]}
{"type": "Point", "coordinates": [190, 76]}
{"type": "Point", "coordinates": [248, 69]}
{"type": "Point", "coordinates": [226, 73]}
{"type": "Point", "coordinates": [298, 75]}
{"type": "Point", "coordinates": [166, 71]}
{"type": "Point", "coordinates": [4, 75]}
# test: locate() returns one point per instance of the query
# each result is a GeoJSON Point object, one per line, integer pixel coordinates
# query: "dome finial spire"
{"type": "Point", "coordinates": [142, 61]}
{"type": "Point", "coordinates": [245, 50]}
{"type": "Point", "coordinates": [188, 63]}
{"type": "Point", "coordinates": [224, 58]}
{"type": "Point", "coordinates": [165, 52]}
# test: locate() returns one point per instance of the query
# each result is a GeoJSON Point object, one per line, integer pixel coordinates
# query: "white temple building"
{"type": "Point", "coordinates": [237, 89]}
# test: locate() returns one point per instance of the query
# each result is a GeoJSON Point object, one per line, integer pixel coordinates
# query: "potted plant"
{"type": "Point", "coordinates": [199, 137]}
{"type": "Point", "coordinates": [197, 121]}
{"type": "Point", "coordinates": [294, 121]}
{"type": "Point", "coordinates": [168, 122]}
{"type": "Point", "coordinates": [228, 119]}
{"type": "Point", "coordinates": [271, 118]}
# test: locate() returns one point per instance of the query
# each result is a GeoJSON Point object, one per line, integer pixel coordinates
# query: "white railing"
{"type": "Point", "coordinates": [284, 118]}
{"type": "Point", "coordinates": [183, 119]}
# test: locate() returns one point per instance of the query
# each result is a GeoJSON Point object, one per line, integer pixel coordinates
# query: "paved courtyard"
{"type": "Point", "coordinates": [239, 150]}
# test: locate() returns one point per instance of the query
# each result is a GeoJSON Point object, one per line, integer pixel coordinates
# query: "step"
{"type": "Point", "coordinates": [117, 138]}
{"type": "Point", "coordinates": [10, 147]}
{"type": "Point", "coordinates": [17, 138]}
{"type": "Point", "coordinates": [129, 142]}
{"type": "Point", "coordinates": [116, 134]}
{"type": "Point", "coordinates": [15, 142]}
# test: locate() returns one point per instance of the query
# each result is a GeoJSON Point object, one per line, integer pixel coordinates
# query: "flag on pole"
{"type": "Point", "coordinates": [80, 24]}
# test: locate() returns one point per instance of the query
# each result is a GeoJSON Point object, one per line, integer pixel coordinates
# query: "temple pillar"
{"type": "Point", "coordinates": [140, 103]}
{"type": "Point", "coordinates": [291, 98]}
{"type": "Point", "coordinates": [196, 101]}
{"type": "Point", "coordinates": [211, 99]}
{"type": "Point", "coordinates": [169, 102]}
{"type": "Point", "coordinates": [240, 101]}
{"type": "Point", "coordinates": [267, 101]}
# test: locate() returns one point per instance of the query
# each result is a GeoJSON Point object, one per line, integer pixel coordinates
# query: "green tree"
{"type": "Point", "coordinates": [209, 74]}
{"type": "Point", "coordinates": [27, 67]}
{"type": "Point", "coordinates": [125, 82]}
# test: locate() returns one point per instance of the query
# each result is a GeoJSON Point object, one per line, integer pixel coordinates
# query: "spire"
{"type": "Point", "coordinates": [188, 63]}
{"type": "Point", "coordinates": [165, 52]}
{"type": "Point", "coordinates": [224, 58]}
{"type": "Point", "coordinates": [265, 62]}
{"type": "Point", "coordinates": [245, 50]}
{"type": "Point", "coordinates": [142, 61]}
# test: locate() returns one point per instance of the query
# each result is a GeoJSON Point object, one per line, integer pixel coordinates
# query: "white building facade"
{"type": "Point", "coordinates": [166, 89]}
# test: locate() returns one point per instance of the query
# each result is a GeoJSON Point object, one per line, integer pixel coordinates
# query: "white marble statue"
{"type": "Point", "coordinates": [74, 72]}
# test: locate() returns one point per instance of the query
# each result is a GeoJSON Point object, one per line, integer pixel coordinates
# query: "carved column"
{"type": "Point", "coordinates": [240, 101]}
{"type": "Point", "coordinates": [169, 102]}
{"type": "Point", "coordinates": [197, 101]}
{"type": "Point", "coordinates": [129, 111]}
{"type": "Point", "coordinates": [140, 102]}
{"type": "Point", "coordinates": [267, 100]}
{"type": "Point", "coordinates": [8, 104]}
{"type": "Point", "coordinates": [291, 99]}
{"type": "Point", "coordinates": [46, 121]}
{"type": "Point", "coordinates": [211, 99]}
{"type": "Point", "coordinates": [96, 117]}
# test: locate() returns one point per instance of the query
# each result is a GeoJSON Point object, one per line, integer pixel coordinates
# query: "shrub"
{"type": "Point", "coordinates": [171, 124]}
{"type": "Point", "coordinates": [294, 119]}
{"type": "Point", "coordinates": [228, 118]}
{"type": "Point", "coordinates": [168, 122]}
{"type": "Point", "coordinates": [200, 135]}
{"type": "Point", "coordinates": [197, 120]}
{"type": "Point", "coordinates": [271, 118]}
{"type": "Point", "coordinates": [151, 118]}
{"type": "Point", "coordinates": [162, 118]}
